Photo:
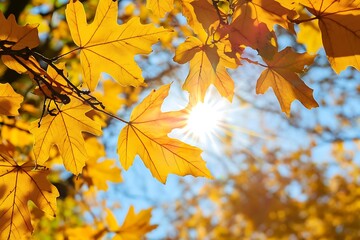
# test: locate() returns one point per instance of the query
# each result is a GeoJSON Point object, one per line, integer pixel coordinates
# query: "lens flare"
{"type": "Point", "coordinates": [206, 123]}
{"type": "Point", "coordinates": [204, 120]}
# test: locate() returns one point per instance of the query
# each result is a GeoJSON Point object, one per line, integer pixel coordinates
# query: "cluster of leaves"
{"type": "Point", "coordinates": [73, 111]}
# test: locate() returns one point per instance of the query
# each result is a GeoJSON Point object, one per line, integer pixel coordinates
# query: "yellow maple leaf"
{"type": "Point", "coordinates": [9, 100]}
{"type": "Point", "coordinates": [20, 184]}
{"type": "Point", "coordinates": [281, 75]}
{"type": "Point", "coordinates": [64, 130]}
{"type": "Point", "coordinates": [134, 227]}
{"type": "Point", "coordinates": [201, 16]}
{"type": "Point", "coordinates": [160, 7]}
{"type": "Point", "coordinates": [15, 37]}
{"type": "Point", "coordinates": [108, 47]}
{"type": "Point", "coordinates": [146, 135]}
{"type": "Point", "coordinates": [340, 30]}
{"type": "Point", "coordinates": [207, 66]}
{"type": "Point", "coordinates": [97, 173]}
{"type": "Point", "coordinates": [269, 12]}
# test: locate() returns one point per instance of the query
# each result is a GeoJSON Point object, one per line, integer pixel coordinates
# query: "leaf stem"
{"type": "Point", "coordinates": [298, 21]}
{"type": "Point", "coordinates": [64, 54]}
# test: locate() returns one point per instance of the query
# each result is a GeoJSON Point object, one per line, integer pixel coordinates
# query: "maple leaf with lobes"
{"type": "Point", "coordinates": [146, 135]}
{"type": "Point", "coordinates": [339, 22]}
{"type": "Point", "coordinates": [19, 184]}
{"type": "Point", "coordinates": [108, 47]}
{"type": "Point", "coordinates": [64, 130]}
{"type": "Point", "coordinates": [135, 225]}
{"type": "Point", "coordinates": [281, 75]}
{"type": "Point", "coordinates": [207, 66]}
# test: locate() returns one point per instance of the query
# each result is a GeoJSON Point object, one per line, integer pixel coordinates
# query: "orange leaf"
{"type": "Point", "coordinates": [135, 226]}
{"type": "Point", "coordinates": [108, 47]}
{"type": "Point", "coordinates": [201, 16]}
{"type": "Point", "coordinates": [97, 173]}
{"type": "Point", "coordinates": [287, 85]}
{"type": "Point", "coordinates": [207, 66]}
{"type": "Point", "coordinates": [269, 12]}
{"type": "Point", "coordinates": [340, 30]}
{"type": "Point", "coordinates": [20, 184]}
{"type": "Point", "coordinates": [146, 135]}
{"type": "Point", "coordinates": [245, 32]}
{"type": "Point", "coordinates": [64, 130]}
{"type": "Point", "coordinates": [9, 100]}
{"type": "Point", "coordinates": [17, 37]}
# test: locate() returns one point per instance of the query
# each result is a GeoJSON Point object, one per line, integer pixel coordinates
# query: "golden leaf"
{"type": "Point", "coordinates": [287, 85]}
{"type": "Point", "coordinates": [207, 66]}
{"type": "Point", "coordinates": [17, 37]}
{"type": "Point", "coordinates": [97, 173]}
{"type": "Point", "coordinates": [146, 135]}
{"type": "Point", "coordinates": [340, 30]}
{"type": "Point", "coordinates": [269, 12]}
{"type": "Point", "coordinates": [9, 100]}
{"type": "Point", "coordinates": [108, 47]}
{"type": "Point", "coordinates": [64, 130]}
{"type": "Point", "coordinates": [134, 227]}
{"type": "Point", "coordinates": [20, 184]}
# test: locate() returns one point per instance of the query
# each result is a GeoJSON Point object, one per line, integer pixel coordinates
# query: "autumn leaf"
{"type": "Point", "coordinates": [20, 184]}
{"type": "Point", "coordinates": [64, 130]}
{"type": "Point", "coordinates": [160, 7]}
{"type": "Point", "coordinates": [17, 37]}
{"type": "Point", "coordinates": [207, 66]}
{"type": "Point", "coordinates": [245, 32]}
{"type": "Point", "coordinates": [134, 227]}
{"type": "Point", "coordinates": [269, 12]}
{"type": "Point", "coordinates": [9, 100]}
{"type": "Point", "coordinates": [340, 30]}
{"type": "Point", "coordinates": [201, 17]}
{"type": "Point", "coordinates": [108, 47]}
{"type": "Point", "coordinates": [282, 76]}
{"type": "Point", "coordinates": [97, 173]}
{"type": "Point", "coordinates": [146, 135]}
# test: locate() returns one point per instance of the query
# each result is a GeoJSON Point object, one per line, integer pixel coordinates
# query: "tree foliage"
{"type": "Point", "coordinates": [81, 67]}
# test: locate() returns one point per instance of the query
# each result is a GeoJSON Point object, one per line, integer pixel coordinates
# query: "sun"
{"type": "Point", "coordinates": [204, 120]}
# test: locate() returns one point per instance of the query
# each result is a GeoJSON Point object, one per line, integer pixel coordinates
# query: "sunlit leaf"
{"type": "Point", "coordinates": [19, 184]}
{"type": "Point", "coordinates": [340, 30]}
{"type": "Point", "coordinates": [64, 130]}
{"type": "Point", "coordinates": [146, 135]}
{"type": "Point", "coordinates": [135, 225]}
{"type": "Point", "coordinates": [108, 47]}
{"type": "Point", "coordinates": [282, 76]}
{"type": "Point", "coordinates": [9, 100]}
{"type": "Point", "coordinates": [207, 66]}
